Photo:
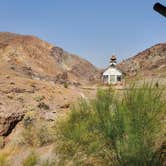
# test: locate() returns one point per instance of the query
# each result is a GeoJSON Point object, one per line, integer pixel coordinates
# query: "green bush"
{"type": "Point", "coordinates": [113, 130]}
{"type": "Point", "coordinates": [143, 109]}
{"type": "Point", "coordinates": [39, 98]}
{"type": "Point", "coordinates": [79, 141]}
{"type": "Point", "coordinates": [30, 160]}
{"type": "Point", "coordinates": [66, 85]}
{"type": "Point", "coordinates": [4, 160]}
{"type": "Point", "coordinates": [48, 163]}
{"type": "Point", "coordinates": [2, 143]}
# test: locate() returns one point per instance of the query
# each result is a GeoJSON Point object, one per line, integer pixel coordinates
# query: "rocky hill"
{"type": "Point", "coordinates": [151, 62]}
{"type": "Point", "coordinates": [31, 57]}
{"type": "Point", "coordinates": [37, 76]}
{"type": "Point", "coordinates": [33, 95]}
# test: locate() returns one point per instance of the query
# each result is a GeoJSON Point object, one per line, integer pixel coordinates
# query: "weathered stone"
{"type": "Point", "coordinates": [65, 106]}
{"type": "Point", "coordinates": [8, 121]}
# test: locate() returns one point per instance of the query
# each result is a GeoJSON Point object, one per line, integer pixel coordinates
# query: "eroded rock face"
{"type": "Point", "coordinates": [11, 113]}
{"type": "Point", "coordinates": [8, 121]}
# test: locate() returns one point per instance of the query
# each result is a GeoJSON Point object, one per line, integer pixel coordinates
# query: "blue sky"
{"type": "Point", "coordinates": [93, 29]}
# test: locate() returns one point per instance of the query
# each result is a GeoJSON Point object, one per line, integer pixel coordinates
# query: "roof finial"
{"type": "Point", "coordinates": [113, 60]}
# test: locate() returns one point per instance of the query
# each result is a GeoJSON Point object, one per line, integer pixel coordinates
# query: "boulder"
{"type": "Point", "coordinates": [9, 117]}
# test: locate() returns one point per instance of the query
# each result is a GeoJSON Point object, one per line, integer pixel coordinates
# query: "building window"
{"type": "Point", "coordinates": [119, 78]}
{"type": "Point", "coordinates": [105, 78]}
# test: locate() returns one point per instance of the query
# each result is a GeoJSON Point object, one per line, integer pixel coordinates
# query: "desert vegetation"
{"type": "Point", "coordinates": [113, 130]}
{"type": "Point", "coordinates": [33, 159]}
{"type": "Point", "coordinates": [36, 132]}
{"type": "Point", "coordinates": [4, 159]}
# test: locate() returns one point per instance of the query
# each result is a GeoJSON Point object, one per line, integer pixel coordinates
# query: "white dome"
{"type": "Point", "coordinates": [112, 71]}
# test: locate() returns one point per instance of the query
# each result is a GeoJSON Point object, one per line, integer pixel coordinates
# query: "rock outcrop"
{"type": "Point", "coordinates": [8, 121]}
{"type": "Point", "coordinates": [10, 115]}
{"type": "Point", "coordinates": [151, 62]}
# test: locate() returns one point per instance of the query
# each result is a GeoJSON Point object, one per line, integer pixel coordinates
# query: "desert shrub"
{"type": "Point", "coordinates": [39, 98]}
{"type": "Point", "coordinates": [80, 141]}
{"type": "Point", "coordinates": [113, 130]}
{"type": "Point", "coordinates": [43, 105]}
{"type": "Point", "coordinates": [29, 118]}
{"type": "Point", "coordinates": [20, 98]}
{"type": "Point", "coordinates": [10, 96]}
{"type": "Point", "coordinates": [30, 160]}
{"type": "Point", "coordinates": [110, 119]}
{"type": "Point", "coordinates": [66, 85]}
{"type": "Point", "coordinates": [1, 142]}
{"type": "Point", "coordinates": [144, 109]}
{"type": "Point", "coordinates": [48, 163]}
{"type": "Point", "coordinates": [36, 132]}
{"type": "Point", "coordinates": [4, 160]}
{"type": "Point", "coordinates": [29, 108]}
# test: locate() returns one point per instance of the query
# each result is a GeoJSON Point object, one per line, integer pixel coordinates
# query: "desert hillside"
{"type": "Point", "coordinates": [39, 83]}
{"type": "Point", "coordinates": [31, 57]}
{"type": "Point", "coordinates": [39, 77]}
{"type": "Point", "coordinates": [151, 62]}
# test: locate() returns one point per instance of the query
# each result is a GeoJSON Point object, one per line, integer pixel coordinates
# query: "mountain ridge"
{"type": "Point", "coordinates": [150, 62]}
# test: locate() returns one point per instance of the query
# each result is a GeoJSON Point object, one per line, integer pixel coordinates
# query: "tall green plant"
{"type": "Point", "coordinates": [117, 130]}
{"type": "Point", "coordinates": [111, 121]}
{"type": "Point", "coordinates": [143, 108]}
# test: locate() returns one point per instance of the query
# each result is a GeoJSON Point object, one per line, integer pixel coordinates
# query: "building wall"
{"type": "Point", "coordinates": [110, 79]}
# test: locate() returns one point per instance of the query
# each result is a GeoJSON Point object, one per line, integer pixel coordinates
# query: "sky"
{"type": "Point", "coordinates": [92, 29]}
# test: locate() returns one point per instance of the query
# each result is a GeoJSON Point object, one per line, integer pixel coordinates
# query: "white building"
{"type": "Point", "coordinates": [112, 75]}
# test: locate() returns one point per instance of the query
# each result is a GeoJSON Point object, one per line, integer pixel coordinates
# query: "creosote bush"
{"type": "Point", "coordinates": [33, 159]}
{"type": "Point", "coordinates": [47, 163]}
{"type": "Point", "coordinates": [66, 85]}
{"type": "Point", "coordinates": [36, 132]}
{"type": "Point", "coordinates": [4, 159]}
{"type": "Point", "coordinates": [113, 130]}
{"type": "Point", "coordinates": [39, 98]}
{"type": "Point", "coordinates": [30, 160]}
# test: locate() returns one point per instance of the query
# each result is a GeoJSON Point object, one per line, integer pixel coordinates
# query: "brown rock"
{"type": "Point", "coordinates": [8, 121]}
{"type": "Point", "coordinates": [65, 106]}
